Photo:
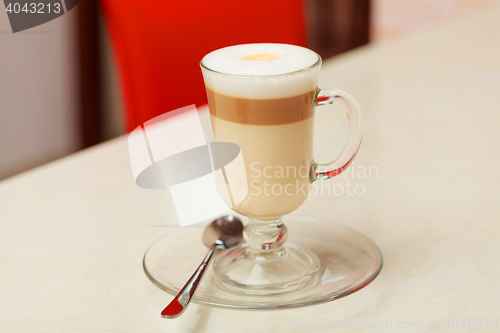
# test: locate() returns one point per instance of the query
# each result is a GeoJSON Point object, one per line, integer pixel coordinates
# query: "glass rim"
{"type": "Point", "coordinates": [317, 63]}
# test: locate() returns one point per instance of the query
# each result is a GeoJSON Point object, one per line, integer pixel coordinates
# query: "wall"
{"type": "Point", "coordinates": [397, 18]}
{"type": "Point", "coordinates": [38, 93]}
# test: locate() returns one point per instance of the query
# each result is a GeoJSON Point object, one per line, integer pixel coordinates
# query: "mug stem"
{"type": "Point", "coordinates": [265, 235]}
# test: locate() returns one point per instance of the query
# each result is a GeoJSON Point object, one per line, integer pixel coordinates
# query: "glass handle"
{"type": "Point", "coordinates": [353, 111]}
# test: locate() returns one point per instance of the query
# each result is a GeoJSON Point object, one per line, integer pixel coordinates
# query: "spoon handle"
{"type": "Point", "coordinates": [183, 298]}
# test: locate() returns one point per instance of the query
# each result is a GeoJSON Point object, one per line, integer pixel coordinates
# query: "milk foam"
{"type": "Point", "coordinates": [253, 59]}
{"type": "Point", "coordinates": [261, 71]}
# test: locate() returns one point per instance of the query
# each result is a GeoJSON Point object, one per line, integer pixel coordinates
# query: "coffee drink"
{"type": "Point", "coordinates": [261, 97]}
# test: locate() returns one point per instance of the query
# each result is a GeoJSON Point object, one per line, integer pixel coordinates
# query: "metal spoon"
{"type": "Point", "coordinates": [221, 234]}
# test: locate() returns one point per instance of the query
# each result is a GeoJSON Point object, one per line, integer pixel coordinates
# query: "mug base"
{"type": "Point", "coordinates": [242, 270]}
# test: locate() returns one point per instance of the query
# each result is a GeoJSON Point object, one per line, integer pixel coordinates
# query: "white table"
{"type": "Point", "coordinates": [73, 232]}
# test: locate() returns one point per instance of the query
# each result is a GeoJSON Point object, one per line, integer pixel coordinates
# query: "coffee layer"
{"type": "Point", "coordinates": [261, 111]}
{"type": "Point", "coordinates": [268, 150]}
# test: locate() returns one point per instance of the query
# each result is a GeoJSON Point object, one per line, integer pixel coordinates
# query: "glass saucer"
{"type": "Point", "coordinates": [349, 262]}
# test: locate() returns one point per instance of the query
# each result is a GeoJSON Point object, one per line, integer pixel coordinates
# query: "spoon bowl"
{"type": "Point", "coordinates": [223, 233]}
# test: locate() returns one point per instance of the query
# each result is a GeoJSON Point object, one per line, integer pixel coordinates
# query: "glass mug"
{"type": "Point", "coordinates": [270, 117]}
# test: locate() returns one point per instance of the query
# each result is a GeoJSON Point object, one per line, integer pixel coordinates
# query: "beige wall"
{"type": "Point", "coordinates": [397, 18]}
{"type": "Point", "coordinates": [38, 93]}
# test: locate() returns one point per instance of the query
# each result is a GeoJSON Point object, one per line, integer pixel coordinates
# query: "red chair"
{"type": "Point", "coordinates": [159, 44]}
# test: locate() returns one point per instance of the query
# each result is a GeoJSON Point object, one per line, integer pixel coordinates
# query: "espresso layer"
{"type": "Point", "coordinates": [261, 111]}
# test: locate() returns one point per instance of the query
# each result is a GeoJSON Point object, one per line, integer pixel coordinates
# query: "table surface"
{"type": "Point", "coordinates": [73, 232]}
